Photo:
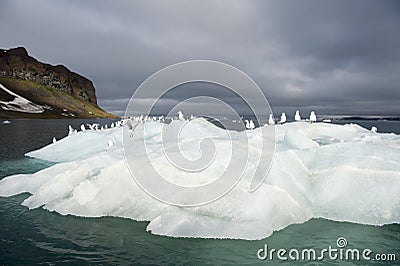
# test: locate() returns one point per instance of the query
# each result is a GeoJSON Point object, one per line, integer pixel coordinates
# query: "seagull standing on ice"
{"type": "Point", "coordinates": [374, 129]}
{"type": "Point", "coordinates": [297, 116]}
{"type": "Point", "coordinates": [83, 127]}
{"type": "Point", "coordinates": [91, 126]}
{"type": "Point", "coordinates": [54, 140]}
{"type": "Point", "coordinates": [70, 130]}
{"type": "Point", "coordinates": [271, 120]}
{"type": "Point", "coordinates": [252, 126]}
{"type": "Point", "coordinates": [313, 117]}
{"type": "Point", "coordinates": [249, 124]}
{"type": "Point", "coordinates": [129, 124]}
{"type": "Point", "coordinates": [110, 142]}
{"type": "Point", "coordinates": [180, 115]}
{"type": "Point", "coordinates": [131, 127]}
{"type": "Point", "coordinates": [283, 119]}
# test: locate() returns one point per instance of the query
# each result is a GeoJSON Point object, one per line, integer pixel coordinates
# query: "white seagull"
{"type": "Point", "coordinates": [297, 116]}
{"type": "Point", "coordinates": [110, 142]}
{"type": "Point", "coordinates": [70, 130]}
{"type": "Point", "coordinates": [313, 117]}
{"type": "Point", "coordinates": [180, 115]}
{"type": "Point", "coordinates": [283, 118]}
{"type": "Point", "coordinates": [252, 126]}
{"type": "Point", "coordinates": [271, 120]}
{"type": "Point", "coordinates": [249, 124]}
{"type": "Point", "coordinates": [91, 126]}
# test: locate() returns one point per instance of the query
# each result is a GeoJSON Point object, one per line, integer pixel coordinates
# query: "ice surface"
{"type": "Point", "coordinates": [343, 173]}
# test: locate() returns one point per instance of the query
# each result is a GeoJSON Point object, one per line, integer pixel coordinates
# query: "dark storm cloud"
{"type": "Point", "coordinates": [340, 57]}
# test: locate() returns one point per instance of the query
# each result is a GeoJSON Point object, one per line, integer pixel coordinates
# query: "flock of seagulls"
{"type": "Point", "coordinates": [283, 119]}
{"type": "Point", "coordinates": [249, 124]}
{"type": "Point", "coordinates": [128, 121]}
{"type": "Point", "coordinates": [94, 126]}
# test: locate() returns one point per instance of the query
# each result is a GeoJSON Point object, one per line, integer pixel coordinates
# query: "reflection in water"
{"type": "Point", "coordinates": [38, 235]}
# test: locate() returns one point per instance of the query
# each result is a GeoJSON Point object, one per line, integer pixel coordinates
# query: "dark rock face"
{"type": "Point", "coordinates": [16, 63]}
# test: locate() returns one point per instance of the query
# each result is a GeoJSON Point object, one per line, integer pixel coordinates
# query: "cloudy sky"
{"type": "Point", "coordinates": [336, 57]}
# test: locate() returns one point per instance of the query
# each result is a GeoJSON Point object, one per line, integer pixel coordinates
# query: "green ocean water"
{"type": "Point", "coordinates": [41, 237]}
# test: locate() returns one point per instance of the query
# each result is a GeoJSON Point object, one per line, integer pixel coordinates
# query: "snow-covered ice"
{"type": "Point", "coordinates": [342, 173]}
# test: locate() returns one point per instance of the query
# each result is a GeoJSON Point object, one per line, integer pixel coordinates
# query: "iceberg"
{"type": "Point", "coordinates": [336, 172]}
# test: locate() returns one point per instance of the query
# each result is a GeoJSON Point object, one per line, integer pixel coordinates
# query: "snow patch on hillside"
{"type": "Point", "coordinates": [20, 104]}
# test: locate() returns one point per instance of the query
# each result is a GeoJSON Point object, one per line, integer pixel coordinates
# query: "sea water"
{"type": "Point", "coordinates": [41, 236]}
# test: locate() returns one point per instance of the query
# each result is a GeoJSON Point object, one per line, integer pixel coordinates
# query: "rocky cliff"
{"type": "Point", "coordinates": [54, 90]}
{"type": "Point", "coordinates": [16, 63]}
